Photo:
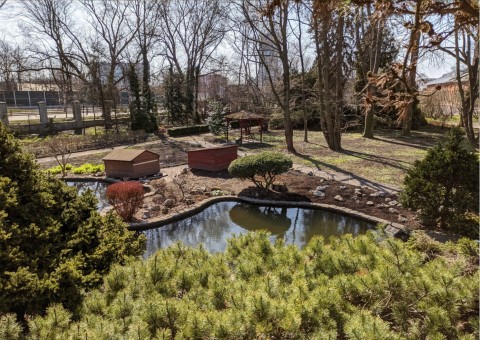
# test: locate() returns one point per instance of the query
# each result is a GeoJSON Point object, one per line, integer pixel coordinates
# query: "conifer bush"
{"type": "Point", "coordinates": [444, 186]}
{"type": "Point", "coordinates": [54, 244]}
{"type": "Point", "coordinates": [126, 198]}
{"type": "Point", "coordinates": [365, 287]}
{"type": "Point", "coordinates": [266, 165]}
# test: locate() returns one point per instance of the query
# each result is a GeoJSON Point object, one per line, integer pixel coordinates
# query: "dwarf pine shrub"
{"type": "Point", "coordinates": [365, 287]}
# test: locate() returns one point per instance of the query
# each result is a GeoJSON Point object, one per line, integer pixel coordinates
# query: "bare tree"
{"type": "Point", "coordinates": [330, 30]}
{"type": "Point", "coordinates": [111, 23]}
{"type": "Point", "coordinates": [269, 30]}
{"type": "Point", "coordinates": [190, 31]}
{"type": "Point", "coordinates": [12, 62]}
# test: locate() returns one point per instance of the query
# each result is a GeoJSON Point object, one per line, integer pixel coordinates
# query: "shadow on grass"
{"type": "Point", "coordinates": [318, 165]}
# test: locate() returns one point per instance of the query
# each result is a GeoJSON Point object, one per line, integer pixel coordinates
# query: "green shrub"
{"type": "Point", "coordinates": [266, 165]}
{"type": "Point", "coordinates": [364, 287]}
{"type": "Point", "coordinates": [58, 169]}
{"type": "Point", "coordinates": [54, 244]}
{"type": "Point", "coordinates": [443, 187]}
{"type": "Point", "coordinates": [187, 130]}
{"type": "Point", "coordinates": [88, 168]}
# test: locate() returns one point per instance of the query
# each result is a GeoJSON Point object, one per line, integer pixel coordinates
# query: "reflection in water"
{"type": "Point", "coordinates": [217, 223]}
{"type": "Point", "coordinates": [99, 190]}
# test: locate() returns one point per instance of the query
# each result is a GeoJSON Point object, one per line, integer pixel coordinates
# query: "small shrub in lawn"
{"type": "Point", "coordinates": [126, 198]}
{"type": "Point", "coordinates": [444, 185]}
{"type": "Point", "coordinates": [266, 165]}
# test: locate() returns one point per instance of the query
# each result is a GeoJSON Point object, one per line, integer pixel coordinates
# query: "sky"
{"type": "Point", "coordinates": [429, 67]}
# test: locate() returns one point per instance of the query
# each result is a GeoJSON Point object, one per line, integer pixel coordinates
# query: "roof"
{"type": "Point", "coordinates": [125, 155]}
{"type": "Point", "coordinates": [446, 79]}
{"type": "Point", "coordinates": [244, 115]}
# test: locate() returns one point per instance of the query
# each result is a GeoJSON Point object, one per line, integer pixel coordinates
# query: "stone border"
{"type": "Point", "coordinates": [393, 229]}
{"type": "Point", "coordinates": [90, 179]}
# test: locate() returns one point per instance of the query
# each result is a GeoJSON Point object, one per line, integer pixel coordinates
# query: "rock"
{"type": "Point", "coordinates": [357, 191]}
{"type": "Point", "coordinates": [318, 193]}
{"type": "Point", "coordinates": [310, 173]}
{"type": "Point", "coordinates": [402, 219]}
{"type": "Point", "coordinates": [322, 180]}
{"type": "Point", "coordinates": [321, 188]}
{"type": "Point", "coordinates": [165, 211]}
{"type": "Point", "coordinates": [189, 201]}
{"type": "Point", "coordinates": [377, 194]}
{"type": "Point", "coordinates": [155, 208]}
{"type": "Point", "coordinates": [169, 203]}
{"type": "Point", "coordinates": [392, 203]}
{"type": "Point", "coordinates": [388, 199]}
{"type": "Point", "coordinates": [146, 215]}
{"type": "Point", "coordinates": [145, 206]}
{"type": "Point", "coordinates": [343, 187]}
{"type": "Point", "coordinates": [393, 210]}
{"type": "Point", "coordinates": [339, 198]}
{"type": "Point", "coordinates": [370, 203]}
{"type": "Point", "coordinates": [357, 201]}
{"type": "Point", "coordinates": [215, 189]}
{"type": "Point", "coordinates": [381, 206]}
{"type": "Point", "coordinates": [184, 170]}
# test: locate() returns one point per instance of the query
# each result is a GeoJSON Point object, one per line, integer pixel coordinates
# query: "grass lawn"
{"type": "Point", "coordinates": [384, 159]}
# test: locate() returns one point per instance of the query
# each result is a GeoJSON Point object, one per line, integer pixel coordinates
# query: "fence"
{"type": "Point", "coordinates": [85, 143]}
{"type": "Point", "coordinates": [51, 98]}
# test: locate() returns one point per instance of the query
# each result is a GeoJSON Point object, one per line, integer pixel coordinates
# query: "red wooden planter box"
{"type": "Point", "coordinates": [212, 159]}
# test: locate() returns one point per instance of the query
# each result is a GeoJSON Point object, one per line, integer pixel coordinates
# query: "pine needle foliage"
{"type": "Point", "coordinates": [53, 243]}
{"type": "Point", "coordinates": [367, 287]}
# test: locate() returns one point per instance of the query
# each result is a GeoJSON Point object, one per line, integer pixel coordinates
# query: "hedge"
{"type": "Point", "coordinates": [187, 130]}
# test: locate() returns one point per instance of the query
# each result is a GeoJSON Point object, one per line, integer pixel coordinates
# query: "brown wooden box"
{"type": "Point", "coordinates": [212, 159]}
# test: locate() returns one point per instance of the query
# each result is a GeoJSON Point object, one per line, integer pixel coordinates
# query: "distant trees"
{"type": "Point", "coordinates": [189, 33]}
{"type": "Point", "coordinates": [53, 242]}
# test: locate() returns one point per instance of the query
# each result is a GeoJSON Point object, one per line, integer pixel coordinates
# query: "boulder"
{"type": "Point", "coordinates": [321, 188]}
{"type": "Point", "coordinates": [339, 198]}
{"type": "Point", "coordinates": [169, 203]}
{"type": "Point", "coordinates": [370, 203]}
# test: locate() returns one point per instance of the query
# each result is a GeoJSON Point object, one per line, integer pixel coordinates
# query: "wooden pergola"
{"type": "Point", "coordinates": [246, 121]}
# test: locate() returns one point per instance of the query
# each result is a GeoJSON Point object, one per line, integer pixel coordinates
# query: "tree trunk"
{"type": "Point", "coordinates": [412, 72]}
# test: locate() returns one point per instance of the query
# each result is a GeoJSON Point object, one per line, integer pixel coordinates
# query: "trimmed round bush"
{"type": "Point", "coordinates": [266, 165]}
{"type": "Point", "coordinates": [126, 198]}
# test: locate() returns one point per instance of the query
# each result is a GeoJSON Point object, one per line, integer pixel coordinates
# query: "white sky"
{"type": "Point", "coordinates": [429, 67]}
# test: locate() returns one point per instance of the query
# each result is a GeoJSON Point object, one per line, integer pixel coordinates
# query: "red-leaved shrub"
{"type": "Point", "coordinates": [126, 198]}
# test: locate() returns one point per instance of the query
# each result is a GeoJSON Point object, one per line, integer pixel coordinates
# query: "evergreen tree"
{"type": "Point", "coordinates": [216, 120]}
{"type": "Point", "coordinates": [142, 104]}
{"type": "Point", "coordinates": [444, 185]}
{"type": "Point", "coordinates": [175, 98]}
{"type": "Point", "coordinates": [53, 243]}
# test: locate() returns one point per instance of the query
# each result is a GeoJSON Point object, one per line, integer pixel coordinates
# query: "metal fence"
{"type": "Point", "coordinates": [51, 98]}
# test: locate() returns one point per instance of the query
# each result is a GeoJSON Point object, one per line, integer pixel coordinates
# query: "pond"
{"type": "Point", "coordinates": [99, 189]}
{"type": "Point", "coordinates": [219, 222]}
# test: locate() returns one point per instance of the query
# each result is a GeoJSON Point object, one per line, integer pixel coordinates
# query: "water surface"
{"type": "Point", "coordinates": [219, 222]}
{"type": "Point", "coordinates": [99, 189]}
